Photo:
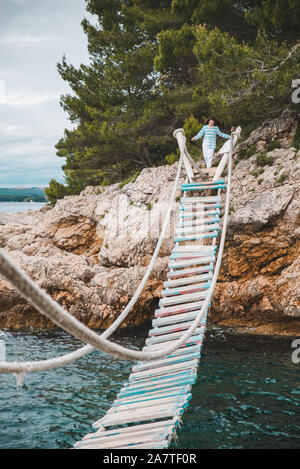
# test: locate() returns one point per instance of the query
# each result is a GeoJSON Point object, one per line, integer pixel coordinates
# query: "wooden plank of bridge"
{"type": "Point", "coordinates": [178, 309]}
{"type": "Point", "coordinates": [148, 408]}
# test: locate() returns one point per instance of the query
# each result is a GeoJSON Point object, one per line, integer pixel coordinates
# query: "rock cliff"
{"type": "Point", "coordinates": [90, 251]}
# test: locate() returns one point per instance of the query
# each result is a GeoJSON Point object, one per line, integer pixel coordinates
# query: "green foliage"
{"type": "Point", "coordinates": [247, 151]}
{"type": "Point", "coordinates": [263, 160]}
{"type": "Point", "coordinates": [279, 18]}
{"type": "Point", "coordinates": [191, 127]}
{"type": "Point", "coordinates": [159, 65]}
{"type": "Point", "coordinates": [56, 191]}
{"type": "Point", "coordinates": [175, 56]}
{"type": "Point", "coordinates": [224, 14]}
{"type": "Point", "coordinates": [258, 172]}
{"type": "Point", "coordinates": [120, 126]}
{"type": "Point", "coordinates": [272, 145]}
{"type": "Point", "coordinates": [244, 83]}
{"type": "Point", "coordinates": [172, 158]}
{"type": "Point", "coordinates": [282, 178]}
{"type": "Point", "coordinates": [130, 179]}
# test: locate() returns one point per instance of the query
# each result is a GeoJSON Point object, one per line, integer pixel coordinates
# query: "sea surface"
{"type": "Point", "coordinates": [247, 394]}
{"type": "Point", "coordinates": [14, 207]}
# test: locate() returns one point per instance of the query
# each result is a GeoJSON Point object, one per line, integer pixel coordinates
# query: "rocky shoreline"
{"type": "Point", "coordinates": [90, 251]}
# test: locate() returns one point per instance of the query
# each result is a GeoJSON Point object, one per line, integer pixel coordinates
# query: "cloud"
{"type": "Point", "coordinates": [31, 149]}
{"type": "Point", "coordinates": [34, 35]}
{"type": "Point", "coordinates": [13, 39]}
{"type": "Point", "coordinates": [32, 161]}
{"type": "Point", "coordinates": [2, 91]}
{"type": "Point", "coordinates": [19, 176]}
{"type": "Point", "coordinates": [19, 2]}
{"type": "Point", "coordinates": [24, 155]}
{"type": "Point", "coordinates": [17, 132]}
{"type": "Point", "coordinates": [28, 98]}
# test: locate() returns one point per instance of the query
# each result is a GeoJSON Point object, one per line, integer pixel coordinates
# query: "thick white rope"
{"type": "Point", "coordinates": [68, 358]}
{"type": "Point", "coordinates": [57, 314]}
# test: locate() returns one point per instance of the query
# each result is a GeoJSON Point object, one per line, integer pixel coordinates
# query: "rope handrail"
{"type": "Point", "coordinates": [42, 365]}
{"type": "Point", "coordinates": [47, 306]}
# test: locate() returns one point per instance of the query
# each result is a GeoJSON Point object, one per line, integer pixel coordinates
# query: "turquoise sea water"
{"type": "Point", "coordinates": [247, 394]}
{"type": "Point", "coordinates": [14, 207]}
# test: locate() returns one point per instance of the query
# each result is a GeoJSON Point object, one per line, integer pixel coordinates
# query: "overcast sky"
{"type": "Point", "coordinates": [34, 35]}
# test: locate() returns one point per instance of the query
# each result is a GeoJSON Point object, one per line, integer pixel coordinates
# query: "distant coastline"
{"type": "Point", "coordinates": [16, 207]}
{"type": "Point", "coordinates": [22, 194]}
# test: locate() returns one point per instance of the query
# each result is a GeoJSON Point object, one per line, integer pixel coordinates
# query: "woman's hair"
{"type": "Point", "coordinates": [212, 118]}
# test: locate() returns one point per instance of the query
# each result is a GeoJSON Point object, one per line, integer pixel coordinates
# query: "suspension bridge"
{"type": "Point", "coordinates": [147, 411]}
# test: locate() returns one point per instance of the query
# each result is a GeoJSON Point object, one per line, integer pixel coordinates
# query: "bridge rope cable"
{"type": "Point", "coordinates": [43, 365]}
{"type": "Point", "coordinates": [47, 306]}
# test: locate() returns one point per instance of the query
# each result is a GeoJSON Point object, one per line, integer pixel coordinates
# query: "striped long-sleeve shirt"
{"type": "Point", "coordinates": [210, 135]}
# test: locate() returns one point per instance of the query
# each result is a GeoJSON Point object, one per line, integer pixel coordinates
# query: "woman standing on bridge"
{"type": "Point", "coordinates": [210, 132]}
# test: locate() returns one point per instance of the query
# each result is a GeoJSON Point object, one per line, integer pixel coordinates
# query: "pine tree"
{"type": "Point", "coordinates": [156, 65]}
{"type": "Point", "coordinates": [118, 127]}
